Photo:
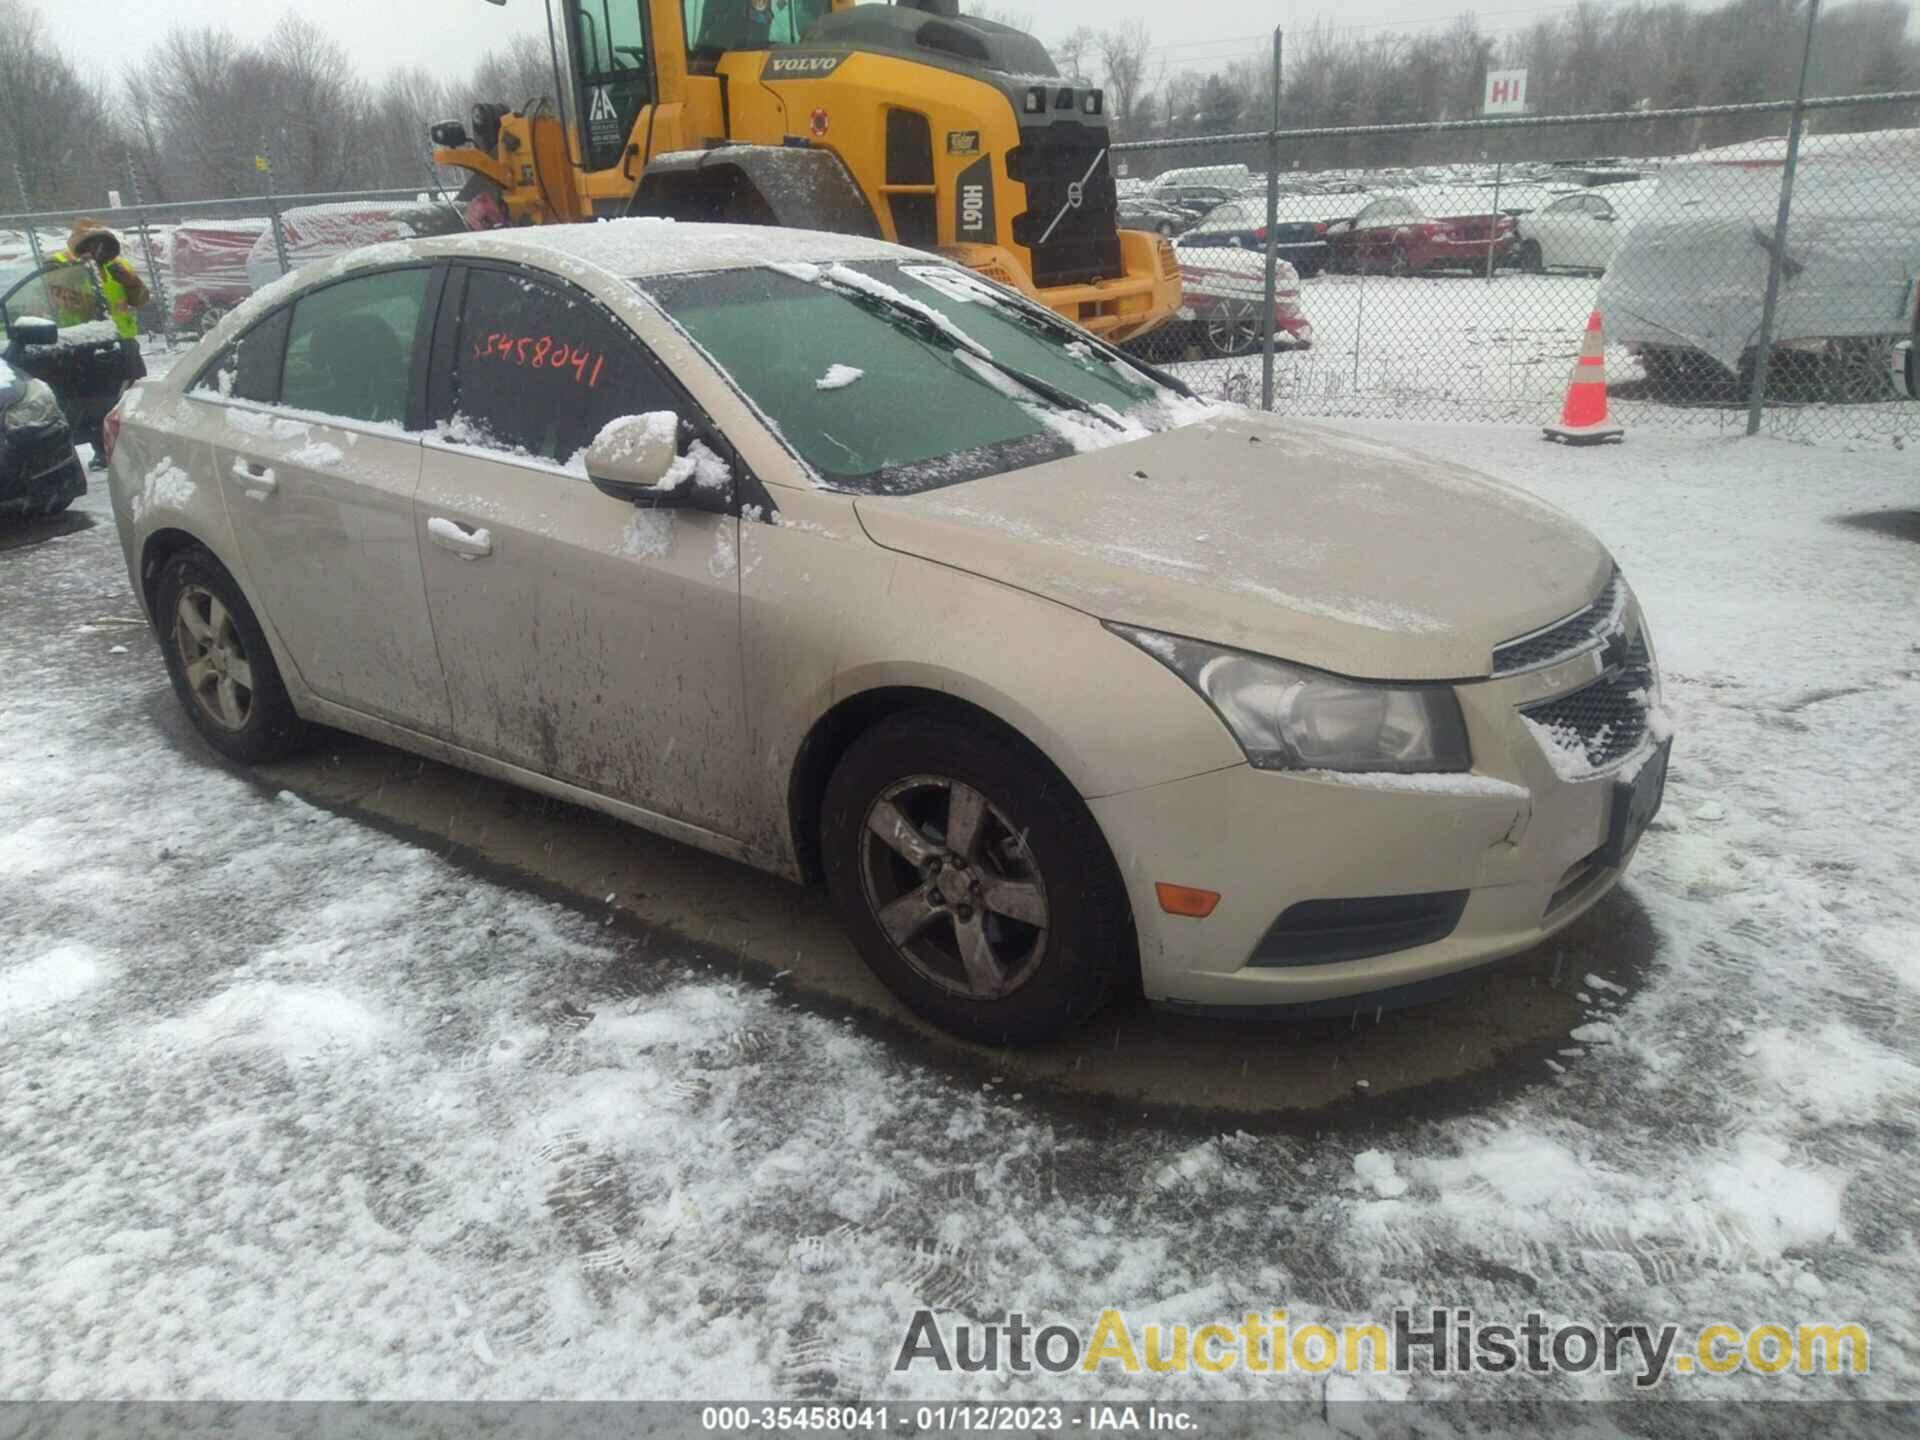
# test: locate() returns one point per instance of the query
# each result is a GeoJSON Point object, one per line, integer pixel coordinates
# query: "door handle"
{"type": "Point", "coordinates": [467, 544]}
{"type": "Point", "coordinates": [257, 479]}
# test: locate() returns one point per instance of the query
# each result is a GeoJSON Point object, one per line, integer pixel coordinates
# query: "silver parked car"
{"type": "Point", "coordinates": [839, 560]}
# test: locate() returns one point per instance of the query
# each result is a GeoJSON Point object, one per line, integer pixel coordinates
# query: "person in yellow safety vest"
{"type": "Point", "coordinates": [95, 249]}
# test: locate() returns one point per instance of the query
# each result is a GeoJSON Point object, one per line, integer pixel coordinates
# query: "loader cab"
{"type": "Point", "coordinates": [615, 74]}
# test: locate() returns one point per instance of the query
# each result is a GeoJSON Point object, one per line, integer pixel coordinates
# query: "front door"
{"type": "Point", "coordinates": [319, 472]}
{"type": "Point", "coordinates": [581, 638]}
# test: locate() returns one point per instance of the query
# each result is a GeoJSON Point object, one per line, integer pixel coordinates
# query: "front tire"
{"type": "Point", "coordinates": [974, 880]}
{"type": "Point", "coordinates": [1531, 259]}
{"type": "Point", "coordinates": [220, 665]}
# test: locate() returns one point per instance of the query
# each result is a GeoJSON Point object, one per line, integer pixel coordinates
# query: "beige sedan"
{"type": "Point", "coordinates": [838, 560]}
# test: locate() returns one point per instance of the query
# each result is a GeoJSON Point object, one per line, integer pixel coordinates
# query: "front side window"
{"type": "Point", "coordinates": [836, 355]}
{"type": "Point", "coordinates": [66, 294]}
{"type": "Point", "coordinates": [249, 369]}
{"type": "Point", "coordinates": [539, 370]}
{"type": "Point", "coordinates": [350, 347]}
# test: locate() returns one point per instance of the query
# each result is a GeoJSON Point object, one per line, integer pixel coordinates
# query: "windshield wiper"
{"type": "Point", "coordinates": [924, 326]}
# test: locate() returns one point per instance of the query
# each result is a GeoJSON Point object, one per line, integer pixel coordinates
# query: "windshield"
{"type": "Point", "coordinates": [715, 26]}
{"type": "Point", "coordinates": [838, 356]}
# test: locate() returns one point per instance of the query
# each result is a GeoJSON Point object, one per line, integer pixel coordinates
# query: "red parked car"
{"type": "Point", "coordinates": [1394, 236]}
{"type": "Point", "coordinates": [210, 270]}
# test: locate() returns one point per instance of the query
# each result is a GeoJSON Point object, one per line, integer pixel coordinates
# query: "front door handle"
{"type": "Point", "coordinates": [467, 544]}
{"type": "Point", "coordinates": [257, 479]}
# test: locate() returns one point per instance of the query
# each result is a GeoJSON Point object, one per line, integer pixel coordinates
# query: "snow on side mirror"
{"type": "Point", "coordinates": [633, 455]}
{"type": "Point", "coordinates": [33, 330]}
{"type": "Point", "coordinates": [636, 458]}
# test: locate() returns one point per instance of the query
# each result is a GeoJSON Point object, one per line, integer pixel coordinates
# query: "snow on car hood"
{"type": "Point", "coordinates": [1289, 539]}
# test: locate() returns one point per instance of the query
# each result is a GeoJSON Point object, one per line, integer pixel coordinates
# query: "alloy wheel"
{"type": "Point", "coordinates": [1235, 329]}
{"type": "Point", "coordinates": [219, 674]}
{"type": "Point", "coordinates": [954, 887]}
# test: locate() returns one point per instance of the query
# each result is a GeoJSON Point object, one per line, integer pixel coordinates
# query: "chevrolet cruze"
{"type": "Point", "coordinates": [842, 561]}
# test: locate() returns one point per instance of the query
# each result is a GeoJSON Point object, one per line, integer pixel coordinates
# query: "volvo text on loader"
{"type": "Point", "coordinates": [908, 122]}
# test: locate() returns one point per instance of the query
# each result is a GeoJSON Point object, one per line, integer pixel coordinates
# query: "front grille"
{"type": "Point", "coordinates": [1057, 162]}
{"type": "Point", "coordinates": [1581, 630]}
{"type": "Point", "coordinates": [1325, 932]}
{"type": "Point", "coordinates": [1602, 723]}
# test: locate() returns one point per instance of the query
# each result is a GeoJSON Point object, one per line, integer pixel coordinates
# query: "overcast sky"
{"type": "Point", "coordinates": [450, 35]}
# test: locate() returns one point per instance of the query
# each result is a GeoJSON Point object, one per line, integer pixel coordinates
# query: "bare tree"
{"type": "Point", "coordinates": [55, 125]}
{"type": "Point", "coordinates": [1123, 55]}
{"type": "Point", "coordinates": [1075, 51]}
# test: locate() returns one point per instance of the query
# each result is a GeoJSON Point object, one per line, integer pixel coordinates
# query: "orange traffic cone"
{"type": "Point", "coordinates": [1583, 419]}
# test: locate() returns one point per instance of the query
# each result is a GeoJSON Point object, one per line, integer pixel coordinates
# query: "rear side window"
{"type": "Point", "coordinates": [249, 369]}
{"type": "Point", "coordinates": [538, 370]}
{"type": "Point", "coordinates": [350, 347]}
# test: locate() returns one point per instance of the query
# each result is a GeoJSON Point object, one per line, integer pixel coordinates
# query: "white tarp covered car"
{"type": "Point", "coordinates": [320, 232]}
{"type": "Point", "coordinates": [1686, 287]}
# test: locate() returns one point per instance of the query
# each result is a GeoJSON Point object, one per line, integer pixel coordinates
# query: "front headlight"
{"type": "Point", "coordinates": [32, 410]}
{"type": "Point", "coordinates": [1287, 717]}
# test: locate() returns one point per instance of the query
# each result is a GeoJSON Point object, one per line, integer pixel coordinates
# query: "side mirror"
{"type": "Point", "coordinates": [632, 457]}
{"type": "Point", "coordinates": [33, 330]}
{"type": "Point", "coordinates": [1906, 369]}
{"type": "Point", "coordinates": [637, 459]}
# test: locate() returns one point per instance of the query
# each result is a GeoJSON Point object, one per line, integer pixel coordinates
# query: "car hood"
{"type": "Point", "coordinates": [1284, 538]}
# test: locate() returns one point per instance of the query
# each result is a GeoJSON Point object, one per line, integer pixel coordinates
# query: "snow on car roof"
{"type": "Point", "coordinates": [638, 247]}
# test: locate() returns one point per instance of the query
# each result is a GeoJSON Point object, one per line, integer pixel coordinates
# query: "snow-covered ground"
{"type": "Point", "coordinates": [1453, 347]}
{"type": "Point", "coordinates": [292, 1108]}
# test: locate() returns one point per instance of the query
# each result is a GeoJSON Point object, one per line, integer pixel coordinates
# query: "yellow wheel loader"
{"type": "Point", "coordinates": [908, 122]}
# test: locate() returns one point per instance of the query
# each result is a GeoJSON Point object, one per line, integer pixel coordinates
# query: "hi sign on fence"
{"type": "Point", "coordinates": [1506, 93]}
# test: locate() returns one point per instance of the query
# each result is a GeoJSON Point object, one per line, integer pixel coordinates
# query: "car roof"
{"type": "Point", "coordinates": [634, 248]}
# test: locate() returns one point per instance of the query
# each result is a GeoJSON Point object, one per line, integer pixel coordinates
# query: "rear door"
{"type": "Point", "coordinates": [320, 456]}
{"type": "Point", "coordinates": [581, 638]}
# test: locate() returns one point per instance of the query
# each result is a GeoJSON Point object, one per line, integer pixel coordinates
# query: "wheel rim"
{"type": "Point", "coordinates": [1399, 264]}
{"type": "Point", "coordinates": [953, 886]}
{"type": "Point", "coordinates": [219, 674]}
{"type": "Point", "coordinates": [1862, 371]}
{"type": "Point", "coordinates": [1234, 330]}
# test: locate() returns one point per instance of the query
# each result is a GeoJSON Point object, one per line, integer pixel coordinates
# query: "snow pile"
{"type": "Point", "coordinates": [838, 377]}
{"type": "Point", "coordinates": [626, 438]}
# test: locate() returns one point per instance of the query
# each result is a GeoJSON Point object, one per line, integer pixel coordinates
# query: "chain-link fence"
{"type": "Point", "coordinates": [201, 258]}
{"type": "Point", "coordinates": [1447, 271]}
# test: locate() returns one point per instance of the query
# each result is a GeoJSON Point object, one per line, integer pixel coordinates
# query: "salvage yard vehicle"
{"type": "Point", "coordinates": [209, 274]}
{"type": "Point", "coordinates": [1301, 237]}
{"type": "Point", "coordinates": [1074, 683]}
{"type": "Point", "coordinates": [39, 472]}
{"type": "Point", "coordinates": [1220, 313]}
{"type": "Point", "coordinates": [1686, 288]}
{"type": "Point", "coordinates": [1393, 235]}
{"type": "Point", "coordinates": [1575, 232]}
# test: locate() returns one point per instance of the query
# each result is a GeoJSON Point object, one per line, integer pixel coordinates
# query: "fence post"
{"type": "Point", "coordinates": [26, 208]}
{"type": "Point", "coordinates": [153, 270]}
{"type": "Point", "coordinates": [273, 216]}
{"type": "Point", "coordinates": [1273, 231]}
{"type": "Point", "coordinates": [1777, 259]}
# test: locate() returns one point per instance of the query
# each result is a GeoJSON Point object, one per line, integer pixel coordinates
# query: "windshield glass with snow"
{"type": "Point", "coordinates": [895, 377]}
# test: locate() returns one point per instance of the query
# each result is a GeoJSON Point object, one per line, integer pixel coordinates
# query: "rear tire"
{"type": "Point", "coordinates": [220, 664]}
{"type": "Point", "coordinates": [1531, 259]}
{"type": "Point", "coordinates": [992, 907]}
